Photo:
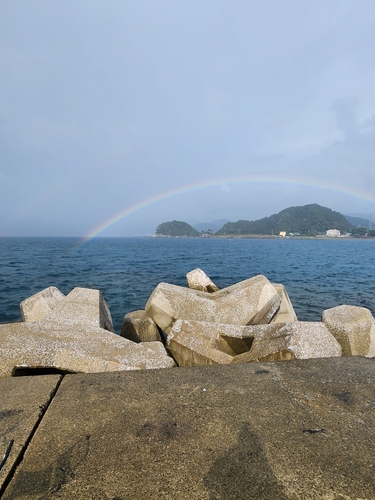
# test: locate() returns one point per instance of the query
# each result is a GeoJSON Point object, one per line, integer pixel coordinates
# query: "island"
{"type": "Point", "coordinates": [310, 220]}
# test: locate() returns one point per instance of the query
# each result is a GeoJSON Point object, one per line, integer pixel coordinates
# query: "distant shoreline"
{"type": "Point", "coordinates": [265, 237]}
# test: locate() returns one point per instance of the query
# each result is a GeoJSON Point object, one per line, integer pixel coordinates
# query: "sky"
{"type": "Point", "coordinates": [116, 116]}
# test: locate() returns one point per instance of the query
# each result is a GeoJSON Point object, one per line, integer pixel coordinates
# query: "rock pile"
{"type": "Point", "coordinates": [250, 321]}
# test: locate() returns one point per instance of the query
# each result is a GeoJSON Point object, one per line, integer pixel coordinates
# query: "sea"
{"type": "Point", "coordinates": [317, 273]}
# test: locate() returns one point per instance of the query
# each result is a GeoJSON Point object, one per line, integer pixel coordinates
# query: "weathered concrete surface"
{"type": "Point", "coordinates": [198, 280]}
{"type": "Point", "coordinates": [22, 404]}
{"type": "Point", "coordinates": [139, 327]}
{"type": "Point", "coordinates": [83, 306]}
{"type": "Point", "coordinates": [251, 301]}
{"type": "Point", "coordinates": [38, 306]}
{"type": "Point", "coordinates": [295, 340]}
{"type": "Point", "coordinates": [196, 343]}
{"type": "Point", "coordinates": [74, 348]}
{"type": "Point", "coordinates": [286, 312]}
{"type": "Point", "coordinates": [296, 430]}
{"type": "Point", "coordinates": [353, 327]}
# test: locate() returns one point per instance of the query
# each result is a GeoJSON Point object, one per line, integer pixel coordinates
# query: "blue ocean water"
{"type": "Point", "coordinates": [318, 274]}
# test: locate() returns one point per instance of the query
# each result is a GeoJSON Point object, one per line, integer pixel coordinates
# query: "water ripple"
{"type": "Point", "coordinates": [318, 274]}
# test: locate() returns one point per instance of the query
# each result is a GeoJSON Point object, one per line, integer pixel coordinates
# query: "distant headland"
{"type": "Point", "coordinates": [303, 221]}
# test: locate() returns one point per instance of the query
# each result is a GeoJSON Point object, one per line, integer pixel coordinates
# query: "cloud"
{"type": "Point", "coordinates": [108, 104]}
{"type": "Point", "coordinates": [346, 117]}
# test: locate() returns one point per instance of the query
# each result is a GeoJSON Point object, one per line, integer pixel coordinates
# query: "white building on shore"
{"type": "Point", "coordinates": [333, 233]}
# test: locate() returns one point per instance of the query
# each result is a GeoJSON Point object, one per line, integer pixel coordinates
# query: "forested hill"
{"type": "Point", "coordinates": [176, 228]}
{"type": "Point", "coordinates": [306, 220]}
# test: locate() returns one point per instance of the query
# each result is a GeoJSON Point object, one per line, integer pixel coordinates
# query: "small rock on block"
{"type": "Point", "coordinates": [198, 280]}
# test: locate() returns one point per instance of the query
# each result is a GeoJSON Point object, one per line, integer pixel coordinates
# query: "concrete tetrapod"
{"type": "Point", "coordinates": [83, 306]}
{"type": "Point", "coordinates": [139, 327]}
{"type": "Point", "coordinates": [73, 338]}
{"type": "Point", "coordinates": [39, 305]}
{"type": "Point", "coordinates": [194, 343]}
{"type": "Point", "coordinates": [286, 312]}
{"type": "Point", "coordinates": [198, 280]}
{"type": "Point", "coordinates": [253, 301]}
{"type": "Point", "coordinates": [74, 349]}
{"type": "Point", "coordinates": [353, 327]}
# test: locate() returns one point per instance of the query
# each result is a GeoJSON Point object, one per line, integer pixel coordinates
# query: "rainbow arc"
{"type": "Point", "coordinates": [224, 183]}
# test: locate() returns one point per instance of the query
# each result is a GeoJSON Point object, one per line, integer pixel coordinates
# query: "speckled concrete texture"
{"type": "Point", "coordinates": [22, 404]}
{"type": "Point", "coordinates": [195, 343]}
{"type": "Point", "coordinates": [294, 430]}
{"type": "Point", "coordinates": [286, 312]}
{"type": "Point", "coordinates": [83, 306]}
{"type": "Point", "coordinates": [198, 280]}
{"type": "Point", "coordinates": [39, 305]}
{"type": "Point", "coordinates": [139, 327]}
{"type": "Point", "coordinates": [74, 348]}
{"type": "Point", "coordinates": [252, 301]}
{"type": "Point", "coordinates": [353, 327]}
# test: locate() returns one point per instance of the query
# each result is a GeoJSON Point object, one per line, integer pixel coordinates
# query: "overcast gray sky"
{"type": "Point", "coordinates": [211, 108]}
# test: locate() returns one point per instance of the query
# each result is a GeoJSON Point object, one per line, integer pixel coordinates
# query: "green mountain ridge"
{"type": "Point", "coordinates": [310, 220]}
{"type": "Point", "coordinates": [306, 220]}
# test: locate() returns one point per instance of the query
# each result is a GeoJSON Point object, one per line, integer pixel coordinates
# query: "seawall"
{"type": "Point", "coordinates": [288, 430]}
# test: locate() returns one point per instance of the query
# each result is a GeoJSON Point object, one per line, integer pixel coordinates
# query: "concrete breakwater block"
{"type": "Point", "coordinates": [22, 405]}
{"type": "Point", "coordinates": [74, 349]}
{"type": "Point", "coordinates": [194, 343]}
{"type": "Point", "coordinates": [139, 327]}
{"type": "Point", "coordinates": [253, 301]}
{"type": "Point", "coordinates": [285, 431]}
{"type": "Point", "coordinates": [82, 306]}
{"type": "Point", "coordinates": [39, 305]}
{"type": "Point", "coordinates": [353, 327]}
{"type": "Point", "coordinates": [75, 336]}
{"type": "Point", "coordinates": [285, 313]}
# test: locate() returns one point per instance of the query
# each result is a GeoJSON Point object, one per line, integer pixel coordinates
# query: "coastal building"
{"type": "Point", "coordinates": [282, 234]}
{"type": "Point", "coordinates": [333, 233]}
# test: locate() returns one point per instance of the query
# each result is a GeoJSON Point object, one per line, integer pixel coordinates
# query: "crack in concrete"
{"type": "Point", "coordinates": [18, 461]}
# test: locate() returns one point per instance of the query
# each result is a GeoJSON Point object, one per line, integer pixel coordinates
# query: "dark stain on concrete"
{"type": "Point", "coordinates": [9, 413]}
{"type": "Point", "coordinates": [261, 372]}
{"type": "Point", "coordinates": [165, 430]}
{"type": "Point", "coordinates": [346, 397]}
{"type": "Point", "coordinates": [314, 431]}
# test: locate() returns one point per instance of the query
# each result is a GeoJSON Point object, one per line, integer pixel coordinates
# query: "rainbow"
{"type": "Point", "coordinates": [224, 183]}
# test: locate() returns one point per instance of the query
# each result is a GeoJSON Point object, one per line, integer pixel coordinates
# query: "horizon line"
{"type": "Point", "coordinates": [223, 182]}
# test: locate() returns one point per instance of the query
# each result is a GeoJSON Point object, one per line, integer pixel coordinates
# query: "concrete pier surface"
{"type": "Point", "coordinates": [287, 430]}
{"type": "Point", "coordinates": [23, 402]}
